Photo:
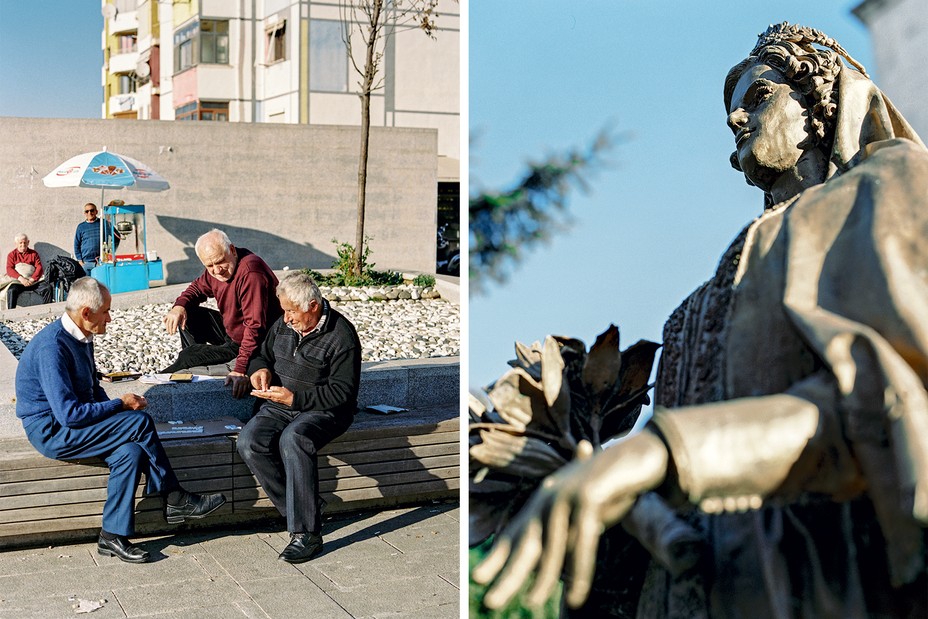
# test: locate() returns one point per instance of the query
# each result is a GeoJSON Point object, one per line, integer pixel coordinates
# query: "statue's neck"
{"type": "Point", "coordinates": [810, 170]}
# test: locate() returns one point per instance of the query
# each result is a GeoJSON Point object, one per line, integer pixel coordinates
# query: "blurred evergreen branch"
{"type": "Point", "coordinates": [504, 224]}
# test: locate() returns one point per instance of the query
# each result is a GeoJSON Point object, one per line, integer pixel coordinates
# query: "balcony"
{"type": "Point", "coordinates": [123, 63]}
{"type": "Point", "coordinates": [122, 103]}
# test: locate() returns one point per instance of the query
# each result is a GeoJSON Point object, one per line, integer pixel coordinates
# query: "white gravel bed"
{"type": "Point", "coordinates": [391, 329]}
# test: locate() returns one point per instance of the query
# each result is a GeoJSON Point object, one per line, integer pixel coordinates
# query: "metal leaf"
{"type": "Point", "coordinates": [517, 455]}
{"type": "Point", "coordinates": [556, 388]}
{"type": "Point", "coordinates": [529, 359]}
{"type": "Point", "coordinates": [476, 407]}
{"type": "Point", "coordinates": [552, 370]}
{"type": "Point", "coordinates": [516, 396]}
{"type": "Point", "coordinates": [603, 363]}
{"type": "Point", "coordinates": [570, 346]}
{"type": "Point", "coordinates": [637, 362]}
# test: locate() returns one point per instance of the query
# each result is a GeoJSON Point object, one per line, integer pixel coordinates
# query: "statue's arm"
{"type": "Point", "coordinates": [730, 456]}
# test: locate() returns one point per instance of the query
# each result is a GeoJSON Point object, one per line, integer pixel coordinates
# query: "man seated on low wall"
{"type": "Point", "coordinates": [67, 415]}
{"type": "Point", "coordinates": [308, 372]}
{"type": "Point", "coordinates": [242, 284]}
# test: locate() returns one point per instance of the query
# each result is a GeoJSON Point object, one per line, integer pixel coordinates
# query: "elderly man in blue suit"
{"type": "Point", "coordinates": [67, 415]}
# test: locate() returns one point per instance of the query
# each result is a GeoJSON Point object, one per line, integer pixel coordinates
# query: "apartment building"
{"type": "Point", "coordinates": [278, 61]}
{"type": "Point", "coordinates": [899, 31]}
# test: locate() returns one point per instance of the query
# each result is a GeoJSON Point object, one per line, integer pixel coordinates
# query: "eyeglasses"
{"type": "Point", "coordinates": [93, 210]}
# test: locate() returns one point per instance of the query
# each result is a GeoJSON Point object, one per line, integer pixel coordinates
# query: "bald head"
{"type": "Point", "coordinates": [217, 253]}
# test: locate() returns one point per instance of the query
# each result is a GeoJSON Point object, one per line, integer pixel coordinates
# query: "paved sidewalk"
{"type": "Point", "coordinates": [396, 563]}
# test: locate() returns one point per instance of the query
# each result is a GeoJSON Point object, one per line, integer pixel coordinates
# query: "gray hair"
{"type": "Point", "coordinates": [214, 238]}
{"type": "Point", "coordinates": [19, 237]}
{"type": "Point", "coordinates": [300, 289]}
{"type": "Point", "coordinates": [85, 292]}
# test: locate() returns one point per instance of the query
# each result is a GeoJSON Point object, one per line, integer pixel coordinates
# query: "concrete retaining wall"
{"type": "Point", "coordinates": [283, 191]}
{"type": "Point", "coordinates": [416, 383]}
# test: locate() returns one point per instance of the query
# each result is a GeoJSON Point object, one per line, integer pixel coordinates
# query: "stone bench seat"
{"type": "Point", "coordinates": [382, 461]}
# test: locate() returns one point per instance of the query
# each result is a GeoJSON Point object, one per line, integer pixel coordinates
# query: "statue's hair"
{"type": "Point", "coordinates": [812, 70]}
{"type": "Point", "coordinates": [300, 289]}
{"type": "Point", "coordinates": [85, 292]}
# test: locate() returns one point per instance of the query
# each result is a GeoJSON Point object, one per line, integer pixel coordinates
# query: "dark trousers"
{"type": "Point", "coordinates": [130, 446]}
{"type": "Point", "coordinates": [281, 447]}
{"type": "Point", "coordinates": [203, 341]}
{"type": "Point", "coordinates": [12, 294]}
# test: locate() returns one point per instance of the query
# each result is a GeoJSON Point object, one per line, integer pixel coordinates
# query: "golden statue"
{"type": "Point", "coordinates": [790, 434]}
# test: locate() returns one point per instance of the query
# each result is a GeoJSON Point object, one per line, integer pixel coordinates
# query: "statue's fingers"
{"type": "Point", "coordinates": [552, 560]}
{"type": "Point", "coordinates": [589, 529]}
{"type": "Point", "coordinates": [485, 571]}
{"type": "Point", "coordinates": [617, 510]}
{"type": "Point", "coordinates": [585, 535]}
{"type": "Point", "coordinates": [523, 560]}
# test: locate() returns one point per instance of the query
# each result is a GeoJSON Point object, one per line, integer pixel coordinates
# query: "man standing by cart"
{"type": "Point", "coordinates": [243, 286]}
{"type": "Point", "coordinates": [87, 238]}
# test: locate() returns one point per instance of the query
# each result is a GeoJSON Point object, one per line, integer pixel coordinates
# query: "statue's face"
{"type": "Point", "coordinates": [770, 124]}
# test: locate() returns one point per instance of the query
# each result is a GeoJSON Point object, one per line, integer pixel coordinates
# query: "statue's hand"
{"type": "Point", "coordinates": [565, 518]}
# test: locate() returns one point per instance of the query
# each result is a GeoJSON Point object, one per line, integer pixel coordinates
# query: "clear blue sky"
{"type": "Point", "coordinates": [546, 75]}
{"type": "Point", "coordinates": [50, 58]}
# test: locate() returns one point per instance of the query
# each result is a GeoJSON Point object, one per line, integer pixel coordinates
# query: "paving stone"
{"type": "Point", "coordinates": [186, 597]}
{"type": "Point", "coordinates": [223, 574]}
{"type": "Point", "coordinates": [48, 607]}
{"type": "Point", "coordinates": [281, 600]}
{"type": "Point", "coordinates": [43, 559]}
{"type": "Point", "coordinates": [415, 594]}
{"type": "Point", "coordinates": [427, 537]}
{"type": "Point", "coordinates": [355, 571]}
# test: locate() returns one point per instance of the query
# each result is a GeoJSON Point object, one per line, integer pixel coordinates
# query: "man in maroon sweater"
{"type": "Point", "coordinates": [243, 286]}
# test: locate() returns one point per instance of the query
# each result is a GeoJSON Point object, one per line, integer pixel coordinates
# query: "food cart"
{"type": "Point", "coordinates": [125, 262]}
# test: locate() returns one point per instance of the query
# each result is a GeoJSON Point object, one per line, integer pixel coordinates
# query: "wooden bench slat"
{"type": "Point", "coordinates": [342, 497]}
{"type": "Point", "coordinates": [380, 461]}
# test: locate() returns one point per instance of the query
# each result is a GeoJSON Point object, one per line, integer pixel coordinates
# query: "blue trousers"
{"type": "Point", "coordinates": [280, 447]}
{"type": "Point", "coordinates": [128, 443]}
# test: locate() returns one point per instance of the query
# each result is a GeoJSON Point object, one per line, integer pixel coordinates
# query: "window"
{"type": "Point", "coordinates": [204, 42]}
{"type": "Point", "coordinates": [203, 110]}
{"type": "Point", "coordinates": [275, 40]}
{"type": "Point", "coordinates": [184, 43]}
{"type": "Point", "coordinates": [328, 57]}
{"type": "Point", "coordinates": [126, 84]}
{"type": "Point", "coordinates": [127, 43]}
{"type": "Point", "coordinates": [214, 42]}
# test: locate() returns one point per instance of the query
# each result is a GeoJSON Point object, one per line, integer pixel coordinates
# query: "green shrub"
{"type": "Point", "coordinates": [344, 276]}
{"type": "Point", "coordinates": [424, 280]}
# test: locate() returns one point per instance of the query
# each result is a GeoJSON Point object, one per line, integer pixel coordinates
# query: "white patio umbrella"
{"type": "Point", "coordinates": [105, 170]}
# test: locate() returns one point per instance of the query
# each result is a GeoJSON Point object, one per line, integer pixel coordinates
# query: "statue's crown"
{"type": "Point", "coordinates": [803, 36]}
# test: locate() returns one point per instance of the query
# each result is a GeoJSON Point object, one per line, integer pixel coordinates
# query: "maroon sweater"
{"type": "Point", "coordinates": [248, 302]}
{"type": "Point", "coordinates": [30, 256]}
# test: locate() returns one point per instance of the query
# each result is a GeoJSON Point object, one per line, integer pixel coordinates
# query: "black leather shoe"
{"type": "Point", "coordinates": [123, 549]}
{"type": "Point", "coordinates": [193, 507]}
{"type": "Point", "coordinates": [302, 547]}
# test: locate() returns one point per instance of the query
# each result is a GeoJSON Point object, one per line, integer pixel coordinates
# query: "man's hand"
{"type": "Point", "coordinates": [240, 384]}
{"type": "Point", "coordinates": [278, 395]}
{"type": "Point", "coordinates": [261, 379]}
{"type": "Point", "coordinates": [175, 319]}
{"type": "Point", "coordinates": [26, 281]}
{"type": "Point", "coordinates": [133, 402]}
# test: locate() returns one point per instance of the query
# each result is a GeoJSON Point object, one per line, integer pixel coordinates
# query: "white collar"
{"type": "Point", "coordinates": [74, 331]}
